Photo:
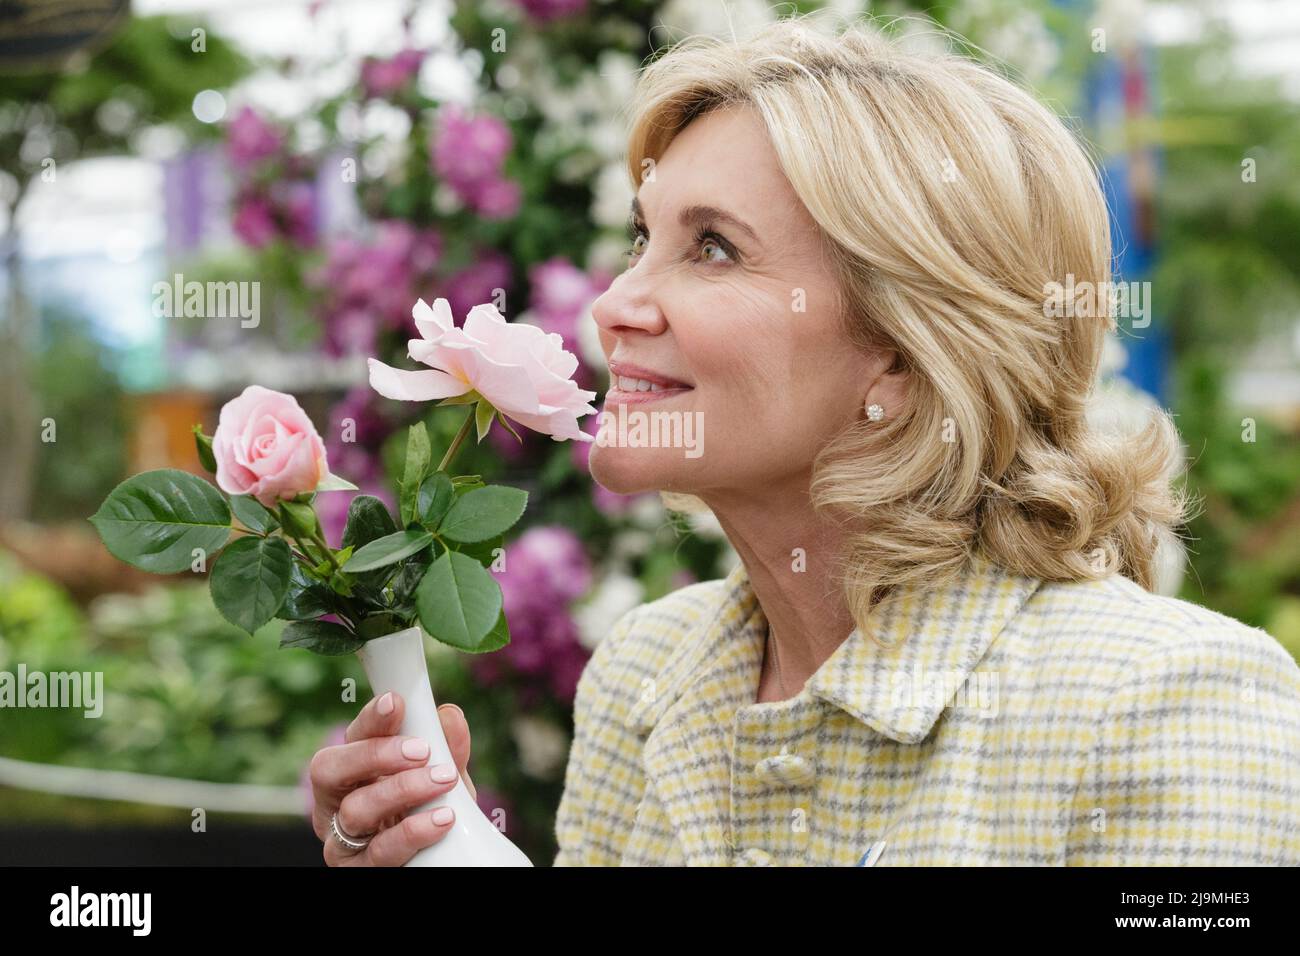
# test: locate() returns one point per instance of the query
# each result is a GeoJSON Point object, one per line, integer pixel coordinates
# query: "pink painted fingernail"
{"type": "Point", "coordinates": [385, 704]}
{"type": "Point", "coordinates": [442, 816]}
{"type": "Point", "coordinates": [415, 749]}
{"type": "Point", "coordinates": [443, 773]}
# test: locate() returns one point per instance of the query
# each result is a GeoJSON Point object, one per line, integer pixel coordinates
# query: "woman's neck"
{"type": "Point", "coordinates": [789, 552]}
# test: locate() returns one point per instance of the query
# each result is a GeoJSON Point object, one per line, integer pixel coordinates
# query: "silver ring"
{"type": "Point", "coordinates": [347, 841]}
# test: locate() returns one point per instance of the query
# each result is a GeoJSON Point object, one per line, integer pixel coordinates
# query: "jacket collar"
{"type": "Point", "coordinates": [933, 637]}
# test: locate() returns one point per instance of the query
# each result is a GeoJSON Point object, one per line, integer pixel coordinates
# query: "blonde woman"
{"type": "Point", "coordinates": [940, 645]}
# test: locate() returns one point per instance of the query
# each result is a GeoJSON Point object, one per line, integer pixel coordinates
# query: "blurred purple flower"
{"type": "Point", "coordinates": [381, 78]}
{"type": "Point", "coordinates": [546, 569]}
{"type": "Point", "coordinates": [369, 286]}
{"type": "Point", "coordinates": [250, 139]}
{"type": "Point", "coordinates": [466, 151]}
{"type": "Point", "coordinates": [296, 200]}
{"type": "Point", "coordinates": [492, 802]}
{"type": "Point", "coordinates": [561, 293]}
{"type": "Point", "coordinates": [477, 282]}
{"type": "Point", "coordinates": [254, 223]}
{"type": "Point", "coordinates": [496, 198]}
{"type": "Point", "coordinates": [543, 10]}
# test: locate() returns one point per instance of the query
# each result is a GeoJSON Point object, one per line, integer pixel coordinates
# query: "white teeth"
{"type": "Point", "coordinates": [628, 384]}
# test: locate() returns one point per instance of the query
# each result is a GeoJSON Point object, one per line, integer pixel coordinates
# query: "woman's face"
{"type": "Point", "coordinates": [727, 292]}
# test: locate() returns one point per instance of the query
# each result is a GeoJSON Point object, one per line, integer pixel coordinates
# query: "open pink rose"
{"type": "Point", "coordinates": [524, 372]}
{"type": "Point", "coordinates": [267, 447]}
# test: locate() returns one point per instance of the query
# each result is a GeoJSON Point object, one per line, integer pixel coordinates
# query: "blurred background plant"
{"type": "Point", "coordinates": [350, 158]}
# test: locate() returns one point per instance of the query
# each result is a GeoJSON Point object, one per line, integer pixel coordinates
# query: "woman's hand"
{"type": "Point", "coordinates": [374, 778]}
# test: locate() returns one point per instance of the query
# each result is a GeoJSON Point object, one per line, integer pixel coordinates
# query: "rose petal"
{"type": "Point", "coordinates": [422, 386]}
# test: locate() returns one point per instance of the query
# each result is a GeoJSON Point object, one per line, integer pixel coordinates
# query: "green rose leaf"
{"type": "Point", "coordinates": [368, 520]}
{"type": "Point", "coordinates": [250, 579]}
{"type": "Point", "coordinates": [508, 427]}
{"type": "Point", "coordinates": [418, 454]}
{"type": "Point", "coordinates": [203, 443]}
{"type": "Point", "coordinates": [321, 637]}
{"type": "Point", "coordinates": [436, 493]}
{"type": "Point", "coordinates": [483, 413]}
{"type": "Point", "coordinates": [252, 515]}
{"type": "Point", "coordinates": [334, 483]}
{"type": "Point", "coordinates": [388, 550]}
{"type": "Point", "coordinates": [483, 551]}
{"type": "Point", "coordinates": [483, 513]}
{"type": "Point", "coordinates": [306, 597]}
{"type": "Point", "coordinates": [155, 521]}
{"type": "Point", "coordinates": [459, 603]}
{"type": "Point", "coordinates": [496, 638]}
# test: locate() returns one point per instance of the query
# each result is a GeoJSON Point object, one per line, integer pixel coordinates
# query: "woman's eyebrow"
{"type": "Point", "coordinates": [698, 215]}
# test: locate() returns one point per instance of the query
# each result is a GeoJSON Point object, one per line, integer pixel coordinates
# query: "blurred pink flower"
{"type": "Point", "coordinates": [250, 139]}
{"type": "Point", "coordinates": [546, 570]}
{"type": "Point", "coordinates": [477, 282]}
{"type": "Point", "coordinates": [467, 153]}
{"type": "Point", "coordinates": [561, 293]}
{"type": "Point", "coordinates": [253, 222]}
{"type": "Point", "coordinates": [543, 10]}
{"type": "Point", "coordinates": [380, 78]}
{"type": "Point", "coordinates": [497, 198]}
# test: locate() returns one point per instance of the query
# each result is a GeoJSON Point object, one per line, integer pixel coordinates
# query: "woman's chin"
{"type": "Point", "coordinates": [626, 471]}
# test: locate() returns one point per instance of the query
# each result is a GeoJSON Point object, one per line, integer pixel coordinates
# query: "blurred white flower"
{"type": "Point", "coordinates": [615, 595]}
{"type": "Point", "coordinates": [719, 18]}
{"type": "Point", "coordinates": [611, 196]}
{"type": "Point", "coordinates": [543, 746]}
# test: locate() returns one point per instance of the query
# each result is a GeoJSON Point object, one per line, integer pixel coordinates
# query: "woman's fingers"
{"type": "Point", "coordinates": [397, 844]}
{"type": "Point", "coordinates": [381, 717]}
{"type": "Point", "coordinates": [456, 729]}
{"type": "Point", "coordinates": [339, 769]}
{"type": "Point", "coordinates": [367, 809]}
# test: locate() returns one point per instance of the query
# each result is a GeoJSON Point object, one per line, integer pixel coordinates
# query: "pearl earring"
{"type": "Point", "coordinates": [875, 412]}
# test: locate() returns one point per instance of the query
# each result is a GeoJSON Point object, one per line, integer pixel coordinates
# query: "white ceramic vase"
{"type": "Point", "coordinates": [397, 663]}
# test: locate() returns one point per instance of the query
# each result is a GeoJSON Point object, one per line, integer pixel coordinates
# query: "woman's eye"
{"type": "Point", "coordinates": [703, 241]}
{"type": "Point", "coordinates": [716, 245]}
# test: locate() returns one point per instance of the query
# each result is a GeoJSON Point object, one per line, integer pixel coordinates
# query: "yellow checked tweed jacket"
{"type": "Point", "coordinates": [1010, 722]}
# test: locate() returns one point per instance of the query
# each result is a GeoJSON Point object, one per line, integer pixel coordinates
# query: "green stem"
{"type": "Point", "coordinates": [458, 440]}
{"type": "Point", "coordinates": [324, 546]}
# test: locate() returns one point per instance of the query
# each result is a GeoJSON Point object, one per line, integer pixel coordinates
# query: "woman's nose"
{"type": "Point", "coordinates": [626, 306]}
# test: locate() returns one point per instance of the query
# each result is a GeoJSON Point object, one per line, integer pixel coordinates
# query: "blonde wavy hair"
{"type": "Point", "coordinates": [948, 198]}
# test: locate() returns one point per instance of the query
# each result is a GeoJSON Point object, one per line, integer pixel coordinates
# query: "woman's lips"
{"type": "Point", "coordinates": [617, 396]}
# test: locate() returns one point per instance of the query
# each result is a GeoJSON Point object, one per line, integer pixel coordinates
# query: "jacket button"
{"type": "Point", "coordinates": [784, 768]}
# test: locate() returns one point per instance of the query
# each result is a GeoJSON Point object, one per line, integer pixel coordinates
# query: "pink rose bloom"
{"type": "Point", "coordinates": [524, 372]}
{"type": "Point", "coordinates": [267, 447]}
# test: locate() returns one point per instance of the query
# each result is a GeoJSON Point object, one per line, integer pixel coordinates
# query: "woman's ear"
{"type": "Point", "coordinates": [888, 382]}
